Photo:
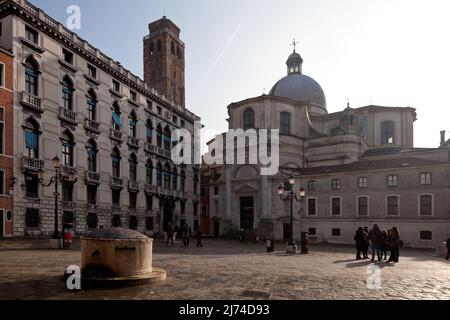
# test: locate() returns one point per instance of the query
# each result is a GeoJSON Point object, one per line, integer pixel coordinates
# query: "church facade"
{"type": "Point", "coordinates": [359, 167]}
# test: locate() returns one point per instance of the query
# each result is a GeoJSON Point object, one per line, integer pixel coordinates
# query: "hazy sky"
{"type": "Point", "coordinates": [384, 52]}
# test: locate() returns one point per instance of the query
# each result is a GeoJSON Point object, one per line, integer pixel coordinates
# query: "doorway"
{"type": "Point", "coordinates": [2, 223]}
{"type": "Point", "coordinates": [216, 229]}
{"type": "Point", "coordinates": [167, 214]}
{"type": "Point", "coordinates": [247, 213]}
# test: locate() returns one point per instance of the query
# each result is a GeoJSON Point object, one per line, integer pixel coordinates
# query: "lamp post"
{"type": "Point", "coordinates": [56, 180]}
{"type": "Point", "coordinates": [291, 196]}
{"type": "Point", "coordinates": [56, 165]}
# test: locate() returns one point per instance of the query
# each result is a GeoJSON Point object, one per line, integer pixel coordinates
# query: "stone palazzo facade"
{"type": "Point", "coordinates": [358, 167]}
{"type": "Point", "coordinates": [111, 130]}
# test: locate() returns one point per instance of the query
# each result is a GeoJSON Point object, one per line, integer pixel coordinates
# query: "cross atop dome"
{"type": "Point", "coordinates": [294, 44]}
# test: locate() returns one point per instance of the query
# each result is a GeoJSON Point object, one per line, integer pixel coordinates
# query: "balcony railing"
{"type": "Point", "coordinates": [150, 189]}
{"type": "Point", "coordinates": [133, 185]}
{"type": "Point", "coordinates": [68, 115]}
{"type": "Point", "coordinates": [133, 142]}
{"type": "Point", "coordinates": [92, 125]}
{"type": "Point", "coordinates": [116, 135]}
{"type": "Point", "coordinates": [67, 205]}
{"type": "Point", "coordinates": [150, 148]}
{"type": "Point", "coordinates": [164, 153]}
{"type": "Point", "coordinates": [116, 183]}
{"type": "Point", "coordinates": [69, 173]}
{"type": "Point", "coordinates": [32, 164]}
{"type": "Point", "coordinates": [32, 102]}
{"type": "Point", "coordinates": [91, 207]}
{"type": "Point", "coordinates": [92, 178]}
{"type": "Point", "coordinates": [166, 192]}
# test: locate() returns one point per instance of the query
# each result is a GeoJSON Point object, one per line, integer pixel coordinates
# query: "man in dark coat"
{"type": "Point", "coordinates": [375, 241]}
{"type": "Point", "coordinates": [360, 242]}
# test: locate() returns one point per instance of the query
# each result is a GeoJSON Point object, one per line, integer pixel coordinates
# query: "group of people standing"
{"type": "Point", "coordinates": [379, 241]}
{"type": "Point", "coordinates": [185, 233]}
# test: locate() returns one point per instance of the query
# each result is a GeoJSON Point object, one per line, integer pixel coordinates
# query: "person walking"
{"type": "Point", "coordinates": [366, 243]}
{"type": "Point", "coordinates": [394, 243]}
{"type": "Point", "coordinates": [170, 233]}
{"type": "Point", "coordinates": [184, 235]}
{"type": "Point", "coordinates": [384, 244]}
{"type": "Point", "coordinates": [199, 237]}
{"type": "Point", "coordinates": [360, 242]}
{"type": "Point", "coordinates": [448, 248]}
{"type": "Point", "coordinates": [375, 239]}
{"type": "Point", "coordinates": [188, 236]}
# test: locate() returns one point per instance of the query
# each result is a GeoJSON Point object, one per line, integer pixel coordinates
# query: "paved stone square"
{"type": "Point", "coordinates": [227, 269]}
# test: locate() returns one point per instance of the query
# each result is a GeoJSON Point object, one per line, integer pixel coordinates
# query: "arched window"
{"type": "Point", "coordinates": [152, 48]}
{"type": "Point", "coordinates": [32, 133]}
{"type": "Point", "coordinates": [91, 100]}
{"type": "Point", "coordinates": [249, 119]}
{"type": "Point", "coordinates": [132, 125]}
{"type": "Point", "coordinates": [182, 180]}
{"type": "Point", "coordinates": [387, 132]}
{"type": "Point", "coordinates": [167, 136]}
{"type": "Point", "coordinates": [67, 93]}
{"type": "Point", "coordinates": [178, 52]}
{"type": "Point", "coordinates": [174, 178]}
{"type": "Point", "coordinates": [149, 173]}
{"type": "Point", "coordinates": [167, 176]}
{"type": "Point", "coordinates": [159, 174]}
{"type": "Point", "coordinates": [159, 136]}
{"type": "Point", "coordinates": [172, 47]}
{"type": "Point", "coordinates": [116, 121]}
{"type": "Point", "coordinates": [133, 167]}
{"type": "Point", "coordinates": [159, 45]}
{"type": "Point", "coordinates": [31, 76]}
{"type": "Point", "coordinates": [149, 131]}
{"type": "Point", "coordinates": [92, 152]}
{"type": "Point", "coordinates": [285, 123]}
{"type": "Point", "coordinates": [115, 156]}
{"type": "Point", "coordinates": [67, 149]}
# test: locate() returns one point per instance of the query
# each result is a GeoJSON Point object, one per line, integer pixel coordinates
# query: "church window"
{"type": "Point", "coordinates": [285, 123]}
{"type": "Point", "coordinates": [249, 119]}
{"type": "Point", "coordinates": [387, 132]}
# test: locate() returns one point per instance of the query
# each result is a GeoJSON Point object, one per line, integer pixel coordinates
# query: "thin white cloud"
{"type": "Point", "coordinates": [213, 66]}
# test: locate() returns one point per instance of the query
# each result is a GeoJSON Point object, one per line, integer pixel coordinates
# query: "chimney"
{"type": "Point", "coordinates": [442, 137]}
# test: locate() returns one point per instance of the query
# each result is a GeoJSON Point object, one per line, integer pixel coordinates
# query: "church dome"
{"type": "Point", "coordinates": [299, 87]}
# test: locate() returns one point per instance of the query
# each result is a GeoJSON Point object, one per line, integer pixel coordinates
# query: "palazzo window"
{"type": "Point", "coordinates": [91, 100]}
{"type": "Point", "coordinates": [31, 77]}
{"type": "Point", "coordinates": [133, 168]}
{"type": "Point", "coordinates": [67, 149]}
{"type": "Point", "coordinates": [31, 131]}
{"type": "Point", "coordinates": [67, 94]}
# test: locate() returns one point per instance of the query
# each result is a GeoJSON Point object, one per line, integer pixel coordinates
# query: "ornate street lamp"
{"type": "Point", "coordinates": [291, 195]}
{"type": "Point", "coordinates": [56, 180]}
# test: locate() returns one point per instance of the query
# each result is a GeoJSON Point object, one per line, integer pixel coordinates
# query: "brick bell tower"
{"type": "Point", "coordinates": [164, 60]}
